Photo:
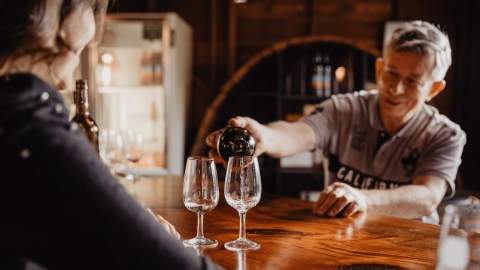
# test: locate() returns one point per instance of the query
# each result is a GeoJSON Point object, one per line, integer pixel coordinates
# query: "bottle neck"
{"type": "Point", "coordinates": [83, 109]}
{"type": "Point", "coordinates": [81, 101]}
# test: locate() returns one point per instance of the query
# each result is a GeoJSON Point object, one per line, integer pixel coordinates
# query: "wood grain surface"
{"type": "Point", "coordinates": [291, 237]}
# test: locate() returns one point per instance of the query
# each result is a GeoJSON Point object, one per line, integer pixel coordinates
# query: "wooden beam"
{"type": "Point", "coordinates": [232, 36]}
{"type": "Point", "coordinates": [395, 14]}
{"type": "Point", "coordinates": [213, 42]}
{"type": "Point", "coordinates": [152, 5]}
{"type": "Point", "coordinates": [313, 17]}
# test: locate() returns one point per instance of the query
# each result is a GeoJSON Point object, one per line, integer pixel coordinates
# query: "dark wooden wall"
{"type": "Point", "coordinates": [464, 21]}
{"type": "Point", "coordinates": [227, 34]}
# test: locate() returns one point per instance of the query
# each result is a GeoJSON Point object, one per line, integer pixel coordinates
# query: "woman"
{"type": "Point", "coordinates": [59, 205]}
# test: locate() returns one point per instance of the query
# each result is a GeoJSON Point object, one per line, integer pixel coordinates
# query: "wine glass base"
{"type": "Point", "coordinates": [200, 242]}
{"type": "Point", "coordinates": [241, 244]}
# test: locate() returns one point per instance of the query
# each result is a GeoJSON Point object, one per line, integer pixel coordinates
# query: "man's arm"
{"type": "Point", "coordinates": [412, 201]}
{"type": "Point", "coordinates": [285, 139]}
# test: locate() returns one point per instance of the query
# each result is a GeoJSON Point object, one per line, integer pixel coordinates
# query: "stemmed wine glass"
{"type": "Point", "coordinates": [111, 150]}
{"type": "Point", "coordinates": [133, 151]}
{"type": "Point", "coordinates": [200, 195]}
{"type": "Point", "coordinates": [243, 190]}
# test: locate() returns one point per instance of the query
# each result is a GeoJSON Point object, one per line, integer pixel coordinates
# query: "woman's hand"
{"type": "Point", "coordinates": [166, 225]}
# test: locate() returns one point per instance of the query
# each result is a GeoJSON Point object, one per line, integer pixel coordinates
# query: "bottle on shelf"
{"type": "Point", "coordinates": [327, 77]}
{"type": "Point", "coordinates": [82, 116]}
{"type": "Point", "coordinates": [316, 79]}
{"type": "Point", "coordinates": [350, 78]}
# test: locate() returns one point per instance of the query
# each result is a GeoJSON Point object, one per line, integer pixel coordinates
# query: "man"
{"type": "Point", "coordinates": [389, 152]}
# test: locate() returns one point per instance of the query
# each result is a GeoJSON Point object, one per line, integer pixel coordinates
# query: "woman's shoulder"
{"type": "Point", "coordinates": [31, 113]}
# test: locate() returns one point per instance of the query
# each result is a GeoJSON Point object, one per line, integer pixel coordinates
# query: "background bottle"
{"type": "Point", "coordinates": [316, 80]}
{"type": "Point", "coordinates": [327, 77]}
{"type": "Point", "coordinates": [82, 116]}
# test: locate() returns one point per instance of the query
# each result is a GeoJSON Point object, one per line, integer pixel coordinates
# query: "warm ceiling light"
{"type": "Point", "coordinates": [240, 1]}
{"type": "Point", "coordinates": [106, 58]}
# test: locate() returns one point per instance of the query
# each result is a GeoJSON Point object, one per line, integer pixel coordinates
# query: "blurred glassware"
{"type": "Point", "coordinates": [459, 243]}
{"type": "Point", "coordinates": [111, 151]}
{"type": "Point", "coordinates": [133, 150]}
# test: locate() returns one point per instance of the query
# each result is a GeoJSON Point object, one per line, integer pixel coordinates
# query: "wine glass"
{"type": "Point", "coordinates": [200, 195]}
{"type": "Point", "coordinates": [133, 149]}
{"type": "Point", "coordinates": [243, 189]}
{"type": "Point", "coordinates": [111, 150]}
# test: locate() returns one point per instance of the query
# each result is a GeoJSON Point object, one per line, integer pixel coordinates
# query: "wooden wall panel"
{"type": "Point", "coordinates": [353, 10]}
{"type": "Point", "coordinates": [262, 23]}
{"type": "Point", "coordinates": [270, 29]}
{"type": "Point", "coordinates": [271, 9]}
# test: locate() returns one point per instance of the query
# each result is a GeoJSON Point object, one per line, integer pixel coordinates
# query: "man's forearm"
{"type": "Point", "coordinates": [412, 201]}
{"type": "Point", "coordinates": [286, 138]}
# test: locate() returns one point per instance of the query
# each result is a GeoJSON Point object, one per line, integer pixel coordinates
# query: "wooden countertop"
{"type": "Point", "coordinates": [291, 237]}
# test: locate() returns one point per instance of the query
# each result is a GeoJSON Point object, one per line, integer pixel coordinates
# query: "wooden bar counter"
{"type": "Point", "coordinates": [291, 237]}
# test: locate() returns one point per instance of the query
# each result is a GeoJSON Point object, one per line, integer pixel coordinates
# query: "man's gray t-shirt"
{"type": "Point", "coordinates": [350, 133]}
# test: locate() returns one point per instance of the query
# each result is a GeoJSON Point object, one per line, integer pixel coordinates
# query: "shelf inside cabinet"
{"type": "Point", "coordinates": [255, 94]}
{"type": "Point", "coordinates": [306, 99]}
{"type": "Point", "coordinates": [130, 89]}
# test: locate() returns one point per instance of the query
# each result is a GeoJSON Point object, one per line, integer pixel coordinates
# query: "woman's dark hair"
{"type": "Point", "coordinates": [29, 26]}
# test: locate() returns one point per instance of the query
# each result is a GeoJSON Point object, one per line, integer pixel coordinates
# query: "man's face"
{"type": "Point", "coordinates": [405, 83]}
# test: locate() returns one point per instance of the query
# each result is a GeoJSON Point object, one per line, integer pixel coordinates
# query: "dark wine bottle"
{"type": "Point", "coordinates": [235, 141]}
{"type": "Point", "coordinates": [82, 116]}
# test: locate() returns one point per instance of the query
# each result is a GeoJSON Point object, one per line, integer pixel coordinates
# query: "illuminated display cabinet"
{"type": "Point", "coordinates": [140, 76]}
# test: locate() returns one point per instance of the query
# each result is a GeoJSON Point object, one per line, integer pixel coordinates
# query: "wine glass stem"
{"type": "Point", "coordinates": [242, 233]}
{"type": "Point", "coordinates": [200, 225]}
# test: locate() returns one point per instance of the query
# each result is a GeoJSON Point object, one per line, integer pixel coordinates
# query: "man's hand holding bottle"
{"type": "Point", "coordinates": [258, 131]}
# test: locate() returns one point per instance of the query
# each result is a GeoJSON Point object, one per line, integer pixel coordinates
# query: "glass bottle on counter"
{"type": "Point", "coordinates": [82, 116]}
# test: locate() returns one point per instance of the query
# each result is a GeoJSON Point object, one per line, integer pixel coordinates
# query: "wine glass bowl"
{"type": "Point", "coordinates": [133, 146]}
{"type": "Point", "coordinates": [111, 150]}
{"type": "Point", "coordinates": [242, 191]}
{"type": "Point", "coordinates": [200, 195]}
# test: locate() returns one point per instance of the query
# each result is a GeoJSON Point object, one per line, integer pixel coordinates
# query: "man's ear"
{"type": "Point", "coordinates": [378, 68]}
{"type": "Point", "coordinates": [436, 88]}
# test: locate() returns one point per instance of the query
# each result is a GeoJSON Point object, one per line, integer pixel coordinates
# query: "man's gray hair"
{"type": "Point", "coordinates": [424, 38]}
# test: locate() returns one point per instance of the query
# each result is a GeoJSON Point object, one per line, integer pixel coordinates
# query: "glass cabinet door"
{"type": "Point", "coordinates": [130, 92]}
{"type": "Point", "coordinates": [140, 76]}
